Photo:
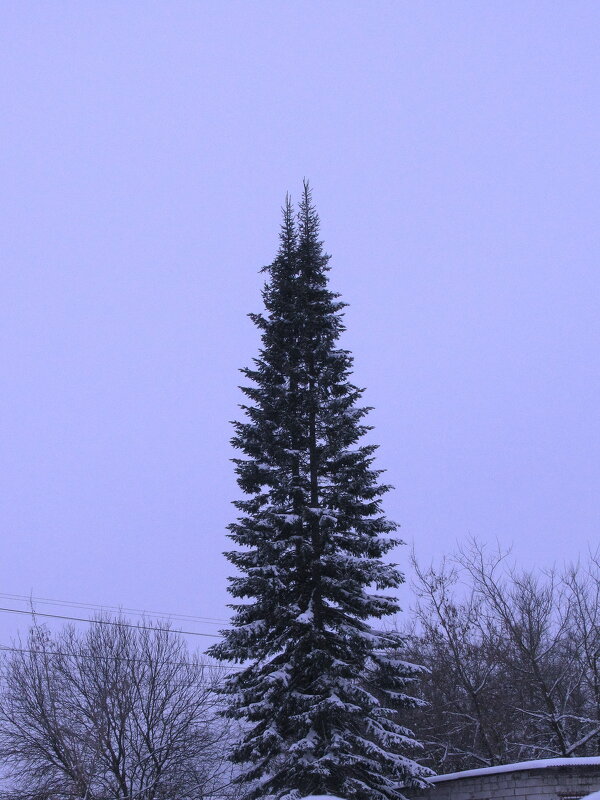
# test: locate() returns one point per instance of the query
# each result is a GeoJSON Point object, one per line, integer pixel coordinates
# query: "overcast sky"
{"type": "Point", "coordinates": [146, 149]}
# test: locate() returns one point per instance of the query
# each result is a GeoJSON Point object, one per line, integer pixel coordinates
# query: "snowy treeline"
{"type": "Point", "coordinates": [513, 659]}
{"type": "Point", "coordinates": [325, 696]}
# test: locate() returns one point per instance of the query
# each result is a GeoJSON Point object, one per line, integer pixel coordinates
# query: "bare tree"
{"type": "Point", "coordinates": [531, 614]}
{"type": "Point", "coordinates": [583, 584]}
{"type": "Point", "coordinates": [513, 659]}
{"type": "Point", "coordinates": [120, 712]}
{"type": "Point", "coordinates": [464, 722]}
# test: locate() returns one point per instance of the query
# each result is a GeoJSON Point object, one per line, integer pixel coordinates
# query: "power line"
{"type": "Point", "coordinates": [13, 649]}
{"type": "Point", "coordinates": [98, 606]}
{"type": "Point", "coordinates": [107, 622]}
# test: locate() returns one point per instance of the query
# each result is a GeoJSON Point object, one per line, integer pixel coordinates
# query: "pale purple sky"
{"type": "Point", "coordinates": [146, 149]}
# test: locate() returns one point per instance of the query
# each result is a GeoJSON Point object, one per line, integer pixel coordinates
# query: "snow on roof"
{"type": "Point", "coordinates": [541, 764]}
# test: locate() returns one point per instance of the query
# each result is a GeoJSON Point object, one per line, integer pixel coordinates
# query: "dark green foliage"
{"type": "Point", "coordinates": [320, 688]}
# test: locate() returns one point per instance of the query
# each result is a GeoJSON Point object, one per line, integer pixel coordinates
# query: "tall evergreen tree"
{"type": "Point", "coordinates": [320, 688]}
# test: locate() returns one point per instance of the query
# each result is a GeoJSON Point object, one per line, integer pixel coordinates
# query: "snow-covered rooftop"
{"type": "Point", "coordinates": [540, 764]}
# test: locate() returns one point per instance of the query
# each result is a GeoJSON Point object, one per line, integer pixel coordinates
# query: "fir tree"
{"type": "Point", "coordinates": [320, 688]}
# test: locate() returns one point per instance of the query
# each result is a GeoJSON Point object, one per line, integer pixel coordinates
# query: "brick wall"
{"type": "Point", "coordinates": [561, 781]}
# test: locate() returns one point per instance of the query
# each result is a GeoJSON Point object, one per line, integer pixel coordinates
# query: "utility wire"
{"type": "Point", "coordinates": [107, 622]}
{"type": "Point", "coordinates": [114, 658]}
{"type": "Point", "coordinates": [98, 606]}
